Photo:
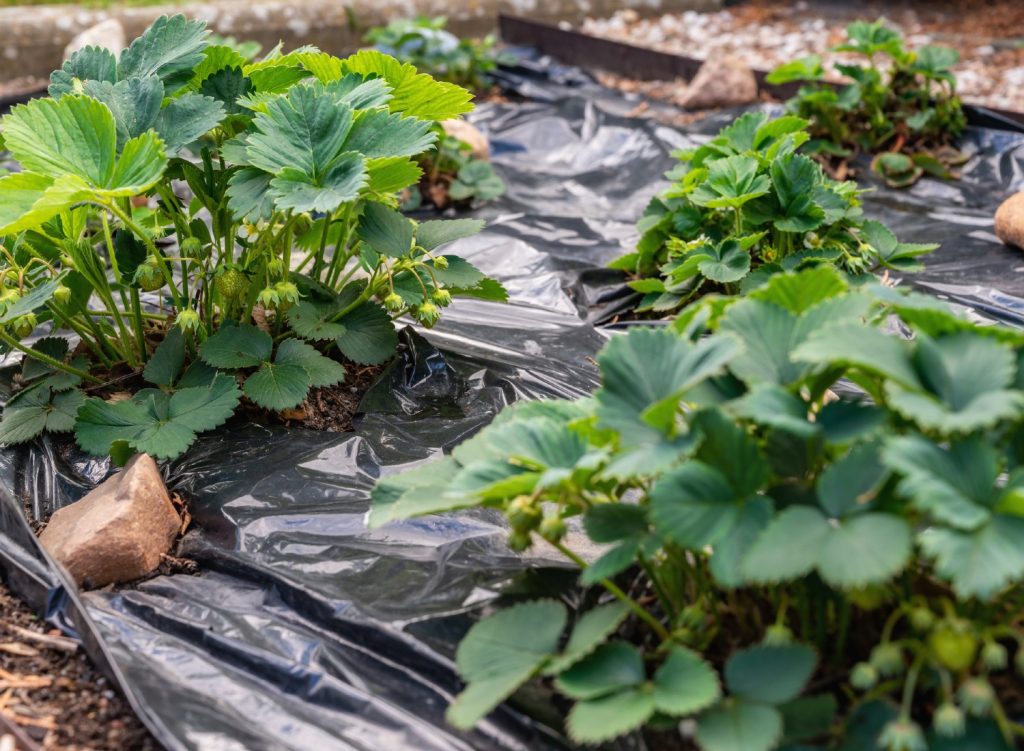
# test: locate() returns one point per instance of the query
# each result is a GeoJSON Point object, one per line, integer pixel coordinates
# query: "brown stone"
{"type": "Point", "coordinates": [720, 82]}
{"type": "Point", "coordinates": [1010, 220]}
{"type": "Point", "coordinates": [118, 532]}
{"type": "Point", "coordinates": [471, 135]}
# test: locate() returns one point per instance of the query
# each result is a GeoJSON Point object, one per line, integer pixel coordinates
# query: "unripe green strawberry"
{"type": "Point", "coordinates": [902, 734]}
{"type": "Point", "coordinates": [394, 302]}
{"type": "Point", "coordinates": [427, 314]}
{"type": "Point", "coordinates": [188, 320]}
{"type": "Point", "coordinates": [442, 297]}
{"type": "Point", "coordinates": [977, 696]}
{"type": "Point", "coordinates": [62, 294]}
{"type": "Point", "coordinates": [231, 284]}
{"type": "Point", "coordinates": [523, 514]}
{"type": "Point", "coordinates": [23, 325]}
{"type": "Point", "coordinates": [994, 655]}
{"type": "Point", "coordinates": [864, 676]}
{"type": "Point", "coordinates": [922, 619]}
{"type": "Point", "coordinates": [552, 528]}
{"type": "Point", "coordinates": [440, 262]}
{"type": "Point", "coordinates": [949, 721]}
{"type": "Point", "coordinates": [519, 541]}
{"type": "Point", "coordinates": [66, 261]}
{"type": "Point", "coordinates": [954, 644]}
{"type": "Point", "coordinates": [148, 275]}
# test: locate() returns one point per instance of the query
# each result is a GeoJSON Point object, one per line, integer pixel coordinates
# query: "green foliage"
{"type": "Point", "coordinates": [255, 199]}
{"type": "Point", "coordinates": [764, 519]}
{"type": "Point", "coordinates": [904, 109]}
{"type": "Point", "coordinates": [425, 43]}
{"type": "Point", "coordinates": [747, 205]}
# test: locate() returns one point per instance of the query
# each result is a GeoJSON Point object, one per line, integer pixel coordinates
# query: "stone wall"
{"type": "Point", "coordinates": [35, 36]}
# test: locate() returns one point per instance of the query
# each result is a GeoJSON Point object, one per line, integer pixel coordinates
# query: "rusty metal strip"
{"type": "Point", "coordinates": [642, 63]}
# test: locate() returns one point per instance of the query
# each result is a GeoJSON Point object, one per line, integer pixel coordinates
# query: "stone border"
{"type": "Point", "coordinates": [36, 35]}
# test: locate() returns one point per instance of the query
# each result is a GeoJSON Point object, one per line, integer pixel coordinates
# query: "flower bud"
{"type": "Point", "coordinates": [949, 721]}
{"type": "Point", "coordinates": [394, 302]}
{"type": "Point", "coordinates": [977, 696]}
{"type": "Point", "coordinates": [428, 314]}
{"type": "Point", "coordinates": [887, 659]}
{"type": "Point", "coordinates": [523, 513]}
{"type": "Point", "coordinates": [863, 677]}
{"type": "Point", "coordinates": [275, 267]}
{"type": "Point", "coordinates": [268, 298]}
{"type": "Point", "coordinates": [9, 297]}
{"type": "Point", "coordinates": [192, 247]}
{"type": "Point", "coordinates": [440, 262]}
{"type": "Point", "coordinates": [188, 320]}
{"type": "Point", "coordinates": [287, 294]}
{"type": "Point", "coordinates": [62, 294]}
{"type": "Point", "coordinates": [994, 656]}
{"type": "Point", "coordinates": [778, 634]}
{"type": "Point", "coordinates": [902, 734]}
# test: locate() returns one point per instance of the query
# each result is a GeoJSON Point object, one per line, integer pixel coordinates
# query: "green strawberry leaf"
{"type": "Point", "coordinates": [165, 365]}
{"type": "Point", "coordinates": [170, 48]}
{"type": "Point", "coordinates": [501, 653]}
{"type": "Point", "coordinates": [726, 263]}
{"type": "Point", "coordinates": [234, 346]}
{"type": "Point", "coordinates": [694, 505]}
{"type": "Point", "coordinates": [322, 371]}
{"type": "Point", "coordinates": [607, 717]}
{"type": "Point", "coordinates": [590, 631]}
{"type": "Point", "coordinates": [434, 233]}
{"type": "Point", "coordinates": [739, 726]}
{"type": "Point", "coordinates": [770, 674]}
{"type": "Point", "coordinates": [685, 684]}
{"type": "Point", "coordinates": [87, 64]}
{"type": "Point", "coordinates": [413, 94]}
{"type": "Point", "coordinates": [278, 385]}
{"type": "Point", "coordinates": [40, 409]}
{"type": "Point", "coordinates": [378, 134]}
{"type": "Point", "coordinates": [385, 230]}
{"type": "Point", "coordinates": [979, 563]}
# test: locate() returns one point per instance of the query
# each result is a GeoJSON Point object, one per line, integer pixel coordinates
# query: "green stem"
{"type": "Point", "coordinates": [130, 223]}
{"type": "Point", "coordinates": [612, 587]}
{"type": "Point", "coordinates": [89, 340]}
{"type": "Point", "coordinates": [140, 331]}
{"type": "Point", "coordinates": [46, 359]}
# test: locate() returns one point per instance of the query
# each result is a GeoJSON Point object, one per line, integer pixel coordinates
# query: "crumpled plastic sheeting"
{"type": "Point", "coordinates": [305, 630]}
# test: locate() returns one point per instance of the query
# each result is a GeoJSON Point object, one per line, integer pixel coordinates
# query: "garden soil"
{"type": "Point", "coordinates": [305, 629]}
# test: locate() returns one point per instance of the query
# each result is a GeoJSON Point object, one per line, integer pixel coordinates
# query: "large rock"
{"type": "Point", "coordinates": [117, 533]}
{"type": "Point", "coordinates": [1010, 220]}
{"type": "Point", "coordinates": [471, 135]}
{"type": "Point", "coordinates": [720, 82]}
{"type": "Point", "coordinates": [108, 34]}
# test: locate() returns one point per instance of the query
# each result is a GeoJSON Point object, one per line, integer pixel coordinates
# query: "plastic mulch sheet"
{"type": "Point", "coordinates": [305, 630]}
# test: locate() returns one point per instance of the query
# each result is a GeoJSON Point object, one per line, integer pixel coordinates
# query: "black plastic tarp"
{"type": "Point", "coordinates": [305, 630]}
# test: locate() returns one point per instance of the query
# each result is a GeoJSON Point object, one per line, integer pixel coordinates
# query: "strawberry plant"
{"type": "Point", "coordinates": [796, 529]}
{"type": "Point", "coordinates": [898, 104]}
{"type": "Point", "coordinates": [216, 226]}
{"type": "Point", "coordinates": [746, 205]}
{"type": "Point", "coordinates": [452, 174]}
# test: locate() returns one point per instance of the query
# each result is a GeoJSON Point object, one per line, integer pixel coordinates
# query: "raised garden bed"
{"type": "Point", "coordinates": [338, 635]}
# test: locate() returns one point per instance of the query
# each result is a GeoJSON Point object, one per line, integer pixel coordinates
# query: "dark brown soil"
{"type": "Point", "coordinates": [52, 697]}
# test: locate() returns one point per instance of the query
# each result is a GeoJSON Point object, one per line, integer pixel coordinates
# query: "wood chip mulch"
{"type": "Point", "coordinates": [51, 696]}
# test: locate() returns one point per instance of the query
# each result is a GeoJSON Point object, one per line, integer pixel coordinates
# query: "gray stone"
{"type": "Point", "coordinates": [118, 532]}
{"type": "Point", "coordinates": [108, 34]}
{"type": "Point", "coordinates": [1010, 220]}
{"type": "Point", "coordinates": [720, 82]}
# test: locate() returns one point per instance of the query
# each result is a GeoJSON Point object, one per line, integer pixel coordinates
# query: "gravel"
{"type": "Point", "coordinates": [988, 33]}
